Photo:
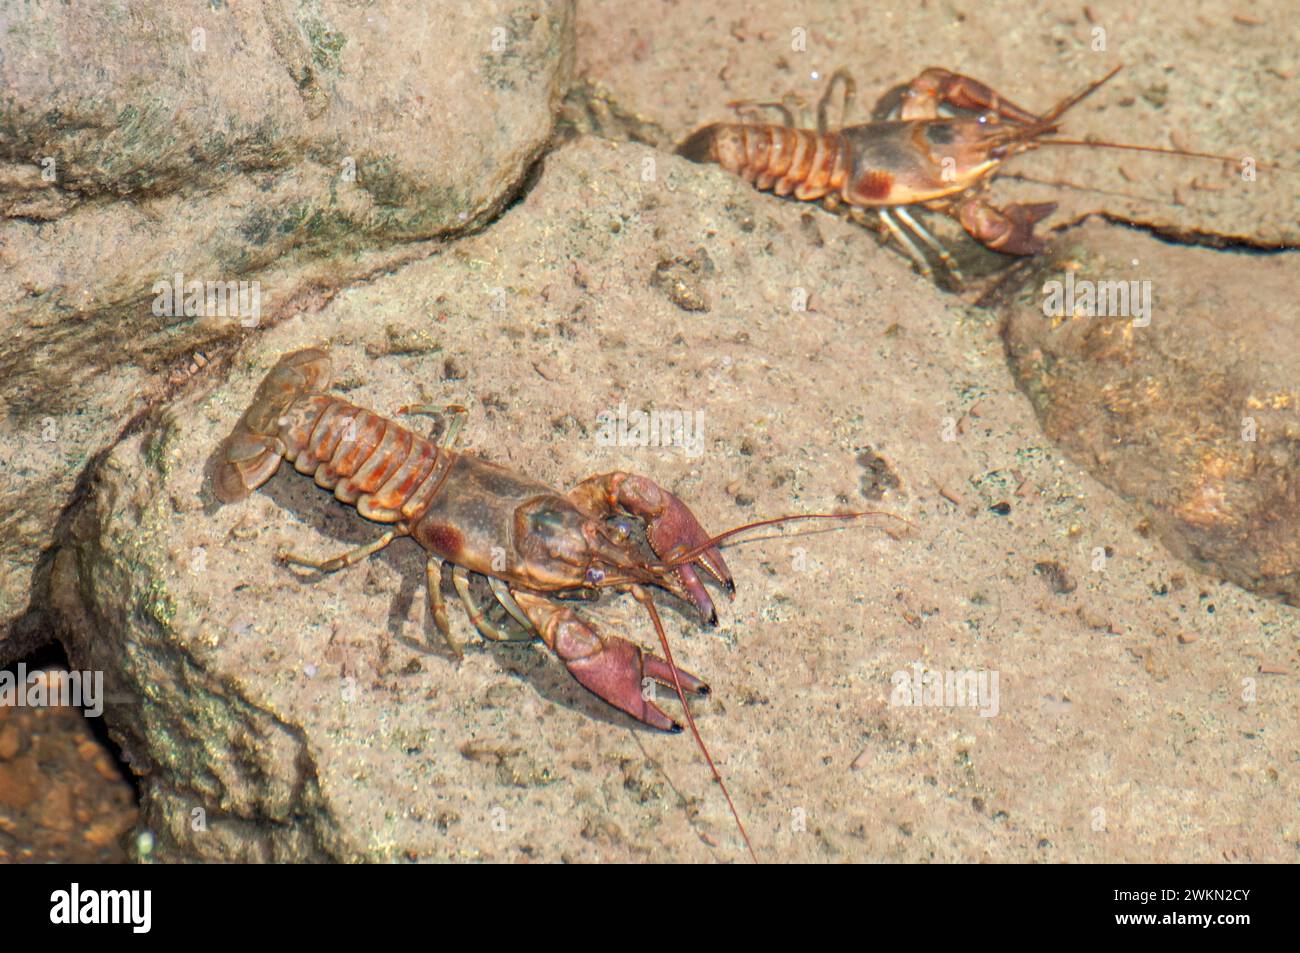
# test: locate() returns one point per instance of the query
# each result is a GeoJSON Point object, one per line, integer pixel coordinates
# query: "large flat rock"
{"type": "Point", "coordinates": [1145, 712]}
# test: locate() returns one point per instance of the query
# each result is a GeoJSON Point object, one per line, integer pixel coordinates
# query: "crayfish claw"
{"type": "Point", "coordinates": [671, 529]}
{"type": "Point", "coordinates": [937, 87]}
{"type": "Point", "coordinates": [612, 668]}
{"type": "Point", "coordinates": [658, 669]}
{"type": "Point", "coordinates": [1009, 230]}
{"type": "Point", "coordinates": [696, 592]}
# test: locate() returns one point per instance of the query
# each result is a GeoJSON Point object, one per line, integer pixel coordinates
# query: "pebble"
{"type": "Point", "coordinates": [11, 742]}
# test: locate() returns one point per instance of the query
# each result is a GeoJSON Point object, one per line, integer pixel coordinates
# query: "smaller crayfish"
{"type": "Point", "coordinates": [914, 154]}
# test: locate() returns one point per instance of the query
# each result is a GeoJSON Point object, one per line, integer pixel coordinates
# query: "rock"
{"type": "Point", "coordinates": [1190, 411]}
{"type": "Point", "coordinates": [270, 150]}
{"type": "Point", "coordinates": [18, 786]}
{"type": "Point", "coordinates": [55, 813]}
{"type": "Point", "coordinates": [53, 799]}
{"type": "Point", "coordinates": [12, 741]}
{"type": "Point", "coordinates": [816, 345]}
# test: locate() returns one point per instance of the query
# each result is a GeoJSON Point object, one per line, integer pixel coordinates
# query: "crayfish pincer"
{"type": "Point", "coordinates": [530, 541]}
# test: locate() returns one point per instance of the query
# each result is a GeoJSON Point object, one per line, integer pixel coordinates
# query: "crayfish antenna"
{"type": "Point", "coordinates": [1048, 125]}
{"type": "Point", "coordinates": [1069, 102]}
{"type": "Point", "coordinates": [1030, 136]}
{"type": "Point", "coordinates": [647, 600]}
{"type": "Point", "coordinates": [644, 597]}
{"type": "Point", "coordinates": [1158, 150]}
{"type": "Point", "coordinates": [694, 551]}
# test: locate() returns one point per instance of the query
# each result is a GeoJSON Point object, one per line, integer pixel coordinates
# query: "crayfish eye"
{"type": "Point", "coordinates": [620, 527]}
{"type": "Point", "coordinates": [595, 575]}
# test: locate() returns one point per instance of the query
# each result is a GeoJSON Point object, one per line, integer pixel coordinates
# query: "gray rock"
{"type": "Point", "coordinates": [292, 147]}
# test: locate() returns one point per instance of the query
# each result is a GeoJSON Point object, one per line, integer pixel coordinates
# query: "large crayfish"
{"type": "Point", "coordinates": [530, 541]}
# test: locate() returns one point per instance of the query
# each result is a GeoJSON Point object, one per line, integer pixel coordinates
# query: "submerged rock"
{"type": "Point", "coordinates": [279, 715]}
{"type": "Point", "coordinates": [1171, 373]}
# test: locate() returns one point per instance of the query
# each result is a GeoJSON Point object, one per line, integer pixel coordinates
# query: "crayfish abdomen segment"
{"type": "Point", "coordinates": [253, 451]}
{"type": "Point", "coordinates": [780, 158]}
{"type": "Point", "coordinates": [385, 470]}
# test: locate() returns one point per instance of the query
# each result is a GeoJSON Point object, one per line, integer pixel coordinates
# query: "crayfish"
{"type": "Point", "coordinates": [913, 154]}
{"type": "Point", "coordinates": [531, 542]}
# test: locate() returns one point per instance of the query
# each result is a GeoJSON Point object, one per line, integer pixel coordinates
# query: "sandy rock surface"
{"type": "Point", "coordinates": [1144, 711]}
